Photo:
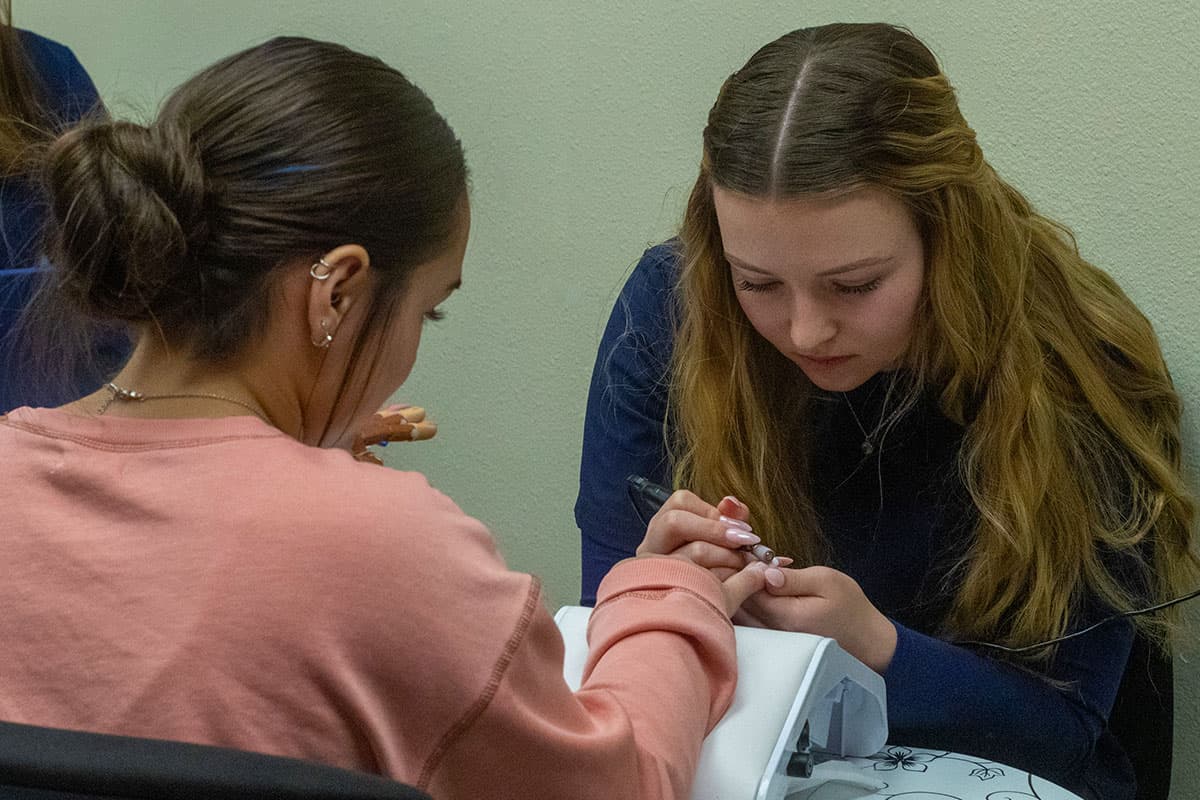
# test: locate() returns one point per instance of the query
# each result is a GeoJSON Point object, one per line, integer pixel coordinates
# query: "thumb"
{"type": "Point", "coordinates": [741, 585]}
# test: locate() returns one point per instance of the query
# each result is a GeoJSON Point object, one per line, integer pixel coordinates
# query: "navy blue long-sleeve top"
{"type": "Point", "coordinates": [895, 521]}
{"type": "Point", "coordinates": [69, 96]}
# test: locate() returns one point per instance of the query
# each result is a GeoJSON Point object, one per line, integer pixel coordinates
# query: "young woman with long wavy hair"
{"type": "Point", "coordinates": [914, 386]}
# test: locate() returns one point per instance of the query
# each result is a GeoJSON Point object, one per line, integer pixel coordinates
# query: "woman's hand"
{"type": "Point", "coordinates": [688, 527]}
{"type": "Point", "coordinates": [825, 602]}
{"type": "Point", "coordinates": [396, 423]}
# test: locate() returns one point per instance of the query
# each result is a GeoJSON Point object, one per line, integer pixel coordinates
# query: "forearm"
{"type": "Point", "coordinates": [661, 671]}
{"type": "Point", "coordinates": [944, 696]}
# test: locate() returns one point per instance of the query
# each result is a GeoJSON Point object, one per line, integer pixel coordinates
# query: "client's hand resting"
{"type": "Point", "coordinates": [826, 602]}
{"type": "Point", "coordinates": [395, 423]}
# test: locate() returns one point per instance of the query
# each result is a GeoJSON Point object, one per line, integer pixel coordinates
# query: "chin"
{"type": "Point", "coordinates": [837, 383]}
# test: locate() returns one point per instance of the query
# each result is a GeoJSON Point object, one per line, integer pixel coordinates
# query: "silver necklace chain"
{"type": "Point", "coordinates": [133, 396]}
{"type": "Point", "coordinates": [868, 443]}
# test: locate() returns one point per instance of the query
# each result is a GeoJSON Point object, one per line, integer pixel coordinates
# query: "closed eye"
{"type": "Point", "coordinates": [436, 315]}
{"type": "Point", "coordinates": [747, 286]}
{"type": "Point", "coordinates": [858, 288]}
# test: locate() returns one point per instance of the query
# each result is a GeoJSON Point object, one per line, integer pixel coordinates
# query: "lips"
{"type": "Point", "coordinates": [831, 361]}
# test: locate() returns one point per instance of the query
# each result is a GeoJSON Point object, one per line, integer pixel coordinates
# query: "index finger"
{"type": "Point", "coordinates": [685, 518]}
{"type": "Point", "coordinates": [685, 500]}
{"type": "Point", "coordinates": [729, 511]}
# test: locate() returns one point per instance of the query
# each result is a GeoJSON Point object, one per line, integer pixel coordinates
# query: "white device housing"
{"type": "Point", "coordinates": [786, 681]}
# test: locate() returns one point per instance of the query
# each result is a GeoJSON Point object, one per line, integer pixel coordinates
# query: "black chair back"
{"type": "Point", "coordinates": [52, 764]}
{"type": "Point", "coordinates": [1143, 717]}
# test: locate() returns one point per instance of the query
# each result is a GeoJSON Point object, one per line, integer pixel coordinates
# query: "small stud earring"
{"type": "Point", "coordinates": [328, 338]}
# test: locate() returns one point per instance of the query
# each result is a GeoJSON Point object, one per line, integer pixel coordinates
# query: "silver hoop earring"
{"type": "Point", "coordinates": [323, 276]}
{"type": "Point", "coordinates": [323, 343]}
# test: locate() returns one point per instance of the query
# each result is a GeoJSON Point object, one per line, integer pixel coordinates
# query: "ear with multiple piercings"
{"type": "Point", "coordinates": [326, 340]}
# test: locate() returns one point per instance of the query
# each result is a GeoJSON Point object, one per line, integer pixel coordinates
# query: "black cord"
{"type": "Point", "coordinates": [1088, 629]}
{"type": "Point", "coordinates": [636, 500]}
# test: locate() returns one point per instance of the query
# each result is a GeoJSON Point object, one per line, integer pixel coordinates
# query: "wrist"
{"type": "Point", "coordinates": [882, 646]}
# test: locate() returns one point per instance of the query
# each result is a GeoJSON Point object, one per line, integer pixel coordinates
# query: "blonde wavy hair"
{"type": "Point", "coordinates": [1071, 451]}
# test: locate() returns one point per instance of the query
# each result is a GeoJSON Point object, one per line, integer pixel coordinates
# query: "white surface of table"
{"type": "Point", "coordinates": [912, 773]}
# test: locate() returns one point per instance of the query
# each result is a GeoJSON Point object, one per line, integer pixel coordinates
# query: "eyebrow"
{"type": "Point", "coordinates": [838, 270]}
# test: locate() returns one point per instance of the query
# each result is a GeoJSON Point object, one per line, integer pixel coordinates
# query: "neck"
{"type": "Point", "coordinates": [155, 369]}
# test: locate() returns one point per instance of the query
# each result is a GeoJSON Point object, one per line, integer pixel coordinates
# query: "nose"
{"type": "Point", "coordinates": [811, 327]}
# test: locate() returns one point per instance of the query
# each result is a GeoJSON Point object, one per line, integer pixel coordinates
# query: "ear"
{"type": "Point", "coordinates": [339, 280]}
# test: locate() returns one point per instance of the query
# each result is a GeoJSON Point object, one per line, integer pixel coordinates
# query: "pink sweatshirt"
{"type": "Point", "coordinates": [215, 581]}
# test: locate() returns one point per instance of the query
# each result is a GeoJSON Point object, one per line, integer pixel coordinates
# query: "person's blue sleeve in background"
{"type": "Point", "coordinates": [70, 94]}
{"type": "Point", "coordinates": [626, 410]}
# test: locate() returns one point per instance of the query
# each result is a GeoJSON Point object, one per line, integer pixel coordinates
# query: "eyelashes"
{"type": "Point", "coordinates": [861, 288]}
{"type": "Point", "coordinates": [436, 315]}
{"type": "Point", "coordinates": [747, 286]}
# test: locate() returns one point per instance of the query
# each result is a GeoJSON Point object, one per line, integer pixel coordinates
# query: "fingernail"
{"type": "Point", "coordinates": [737, 523]}
{"type": "Point", "coordinates": [775, 577]}
{"type": "Point", "coordinates": [738, 537]}
{"type": "Point", "coordinates": [781, 561]}
{"type": "Point", "coordinates": [735, 501]}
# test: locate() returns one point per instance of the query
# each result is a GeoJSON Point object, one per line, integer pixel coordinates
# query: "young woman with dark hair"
{"type": "Point", "coordinates": [191, 551]}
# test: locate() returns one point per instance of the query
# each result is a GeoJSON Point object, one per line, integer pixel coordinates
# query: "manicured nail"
{"type": "Point", "coordinates": [735, 501]}
{"type": "Point", "coordinates": [400, 408]}
{"type": "Point", "coordinates": [781, 561]}
{"type": "Point", "coordinates": [775, 577]}
{"type": "Point", "coordinates": [740, 537]}
{"type": "Point", "coordinates": [737, 523]}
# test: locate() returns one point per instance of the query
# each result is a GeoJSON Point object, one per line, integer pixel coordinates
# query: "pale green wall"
{"type": "Point", "coordinates": [581, 122]}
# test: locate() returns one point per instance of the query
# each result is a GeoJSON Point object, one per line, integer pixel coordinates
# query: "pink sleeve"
{"type": "Point", "coordinates": [661, 673]}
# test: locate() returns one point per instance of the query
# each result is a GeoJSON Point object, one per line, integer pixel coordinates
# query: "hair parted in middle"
{"type": "Point", "coordinates": [1072, 426]}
